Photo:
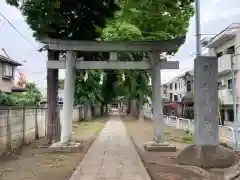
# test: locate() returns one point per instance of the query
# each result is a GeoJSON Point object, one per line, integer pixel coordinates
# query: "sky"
{"type": "Point", "coordinates": [215, 16]}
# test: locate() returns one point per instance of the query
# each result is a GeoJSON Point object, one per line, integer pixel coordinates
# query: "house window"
{"type": "Point", "coordinates": [231, 50]}
{"type": "Point", "coordinates": [7, 70]}
{"type": "Point", "coordinates": [171, 86]}
{"type": "Point", "coordinates": [219, 85]}
{"type": "Point", "coordinates": [219, 54]}
{"type": "Point", "coordinates": [170, 96]}
{"type": "Point", "coordinates": [189, 87]}
{"type": "Point", "coordinates": [175, 86]}
{"type": "Point", "coordinates": [229, 84]}
{"type": "Point", "coordinates": [164, 91]}
{"type": "Point", "coordinates": [175, 97]}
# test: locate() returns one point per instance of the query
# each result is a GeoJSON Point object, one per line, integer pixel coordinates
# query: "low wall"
{"type": "Point", "coordinates": [20, 126]}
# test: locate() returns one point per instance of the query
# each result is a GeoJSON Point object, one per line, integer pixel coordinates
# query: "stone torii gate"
{"type": "Point", "coordinates": [71, 63]}
{"type": "Point", "coordinates": [206, 151]}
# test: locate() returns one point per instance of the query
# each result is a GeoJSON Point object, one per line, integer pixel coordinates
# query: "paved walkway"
{"type": "Point", "coordinates": [112, 156]}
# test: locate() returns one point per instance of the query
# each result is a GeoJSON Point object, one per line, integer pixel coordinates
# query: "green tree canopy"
{"type": "Point", "coordinates": [145, 20]}
{"type": "Point", "coordinates": [86, 20]}
{"type": "Point", "coordinates": [67, 19]}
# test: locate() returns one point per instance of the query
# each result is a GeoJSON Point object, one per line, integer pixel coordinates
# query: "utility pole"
{"type": "Point", "coordinates": [233, 54]}
{"type": "Point", "coordinates": [198, 29]}
{"type": "Point", "coordinates": [234, 95]}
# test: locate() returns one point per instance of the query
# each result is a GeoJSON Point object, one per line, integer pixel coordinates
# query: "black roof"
{"type": "Point", "coordinates": [18, 89]}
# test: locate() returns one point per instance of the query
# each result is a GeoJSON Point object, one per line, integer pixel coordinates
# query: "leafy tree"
{"type": "Point", "coordinates": [32, 96]}
{"type": "Point", "coordinates": [146, 20]}
{"type": "Point", "coordinates": [67, 19]}
{"type": "Point", "coordinates": [6, 99]}
{"type": "Point", "coordinates": [134, 83]}
{"type": "Point", "coordinates": [61, 84]}
{"type": "Point", "coordinates": [159, 19]}
{"type": "Point", "coordinates": [88, 87]}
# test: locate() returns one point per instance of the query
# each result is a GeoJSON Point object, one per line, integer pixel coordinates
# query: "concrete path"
{"type": "Point", "coordinates": [112, 156]}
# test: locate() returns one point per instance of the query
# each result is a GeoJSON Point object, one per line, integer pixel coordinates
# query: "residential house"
{"type": "Point", "coordinates": [225, 46]}
{"type": "Point", "coordinates": [7, 72]}
{"type": "Point", "coordinates": [176, 91]}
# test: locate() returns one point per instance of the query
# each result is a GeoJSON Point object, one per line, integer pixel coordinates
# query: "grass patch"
{"type": "Point", "coordinates": [166, 132]}
{"type": "Point", "coordinates": [87, 128]}
{"type": "Point", "coordinates": [187, 139]}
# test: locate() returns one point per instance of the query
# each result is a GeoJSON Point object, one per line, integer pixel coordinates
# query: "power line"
{"type": "Point", "coordinates": [21, 34]}
{"type": "Point", "coordinates": [1, 26]}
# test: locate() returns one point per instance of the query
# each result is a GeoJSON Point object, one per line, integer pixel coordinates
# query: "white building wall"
{"type": "Point", "coordinates": [225, 65]}
{"type": "Point", "coordinates": [225, 93]}
{"type": "Point", "coordinates": [178, 88]}
{"type": "Point", "coordinates": [224, 62]}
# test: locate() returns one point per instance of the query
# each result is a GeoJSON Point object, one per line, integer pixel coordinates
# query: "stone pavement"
{"type": "Point", "coordinates": [112, 156]}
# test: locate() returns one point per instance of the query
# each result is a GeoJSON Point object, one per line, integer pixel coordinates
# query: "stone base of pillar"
{"type": "Point", "coordinates": [160, 147]}
{"type": "Point", "coordinates": [66, 147]}
{"type": "Point", "coordinates": [207, 157]}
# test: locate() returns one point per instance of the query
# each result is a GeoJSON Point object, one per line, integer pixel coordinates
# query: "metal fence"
{"type": "Point", "coordinates": [226, 133]}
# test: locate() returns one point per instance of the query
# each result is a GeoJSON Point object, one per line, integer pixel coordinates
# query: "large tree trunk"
{"type": "Point", "coordinates": [134, 112]}
{"type": "Point", "coordinates": [53, 122]}
{"type": "Point", "coordinates": [141, 114]}
{"type": "Point", "coordinates": [102, 109]}
{"type": "Point", "coordinates": [87, 110]}
{"type": "Point", "coordinates": [138, 107]}
{"type": "Point", "coordinates": [141, 110]}
{"type": "Point", "coordinates": [129, 107]}
{"type": "Point", "coordinates": [106, 109]}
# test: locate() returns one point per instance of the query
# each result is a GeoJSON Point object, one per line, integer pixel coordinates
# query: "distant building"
{"type": "Point", "coordinates": [178, 93]}
{"type": "Point", "coordinates": [180, 89]}
{"type": "Point", "coordinates": [7, 73]}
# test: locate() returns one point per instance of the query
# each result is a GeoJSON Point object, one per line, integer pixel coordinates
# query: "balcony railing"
{"type": "Point", "coordinates": [224, 63]}
{"type": "Point", "coordinates": [226, 96]}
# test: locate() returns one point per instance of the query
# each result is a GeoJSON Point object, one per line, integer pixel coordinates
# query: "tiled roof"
{"type": "Point", "coordinates": [8, 60]}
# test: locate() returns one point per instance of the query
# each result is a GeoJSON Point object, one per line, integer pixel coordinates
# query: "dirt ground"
{"type": "Point", "coordinates": [35, 162]}
{"type": "Point", "coordinates": [160, 165]}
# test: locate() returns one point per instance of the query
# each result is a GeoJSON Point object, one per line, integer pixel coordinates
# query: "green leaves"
{"type": "Point", "coordinates": [13, 2]}
{"type": "Point", "coordinates": [67, 19]}
{"type": "Point", "coordinates": [89, 88]}
{"type": "Point", "coordinates": [145, 20]}
{"type": "Point", "coordinates": [92, 19]}
{"type": "Point", "coordinates": [32, 96]}
{"type": "Point", "coordinates": [121, 30]}
{"type": "Point", "coordinates": [159, 19]}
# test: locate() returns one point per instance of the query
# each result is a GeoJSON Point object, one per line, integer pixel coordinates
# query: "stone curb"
{"type": "Point", "coordinates": [145, 172]}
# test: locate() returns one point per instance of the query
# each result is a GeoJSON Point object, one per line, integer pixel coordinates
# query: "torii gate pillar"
{"type": "Point", "coordinates": [158, 143]}
{"type": "Point", "coordinates": [69, 84]}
